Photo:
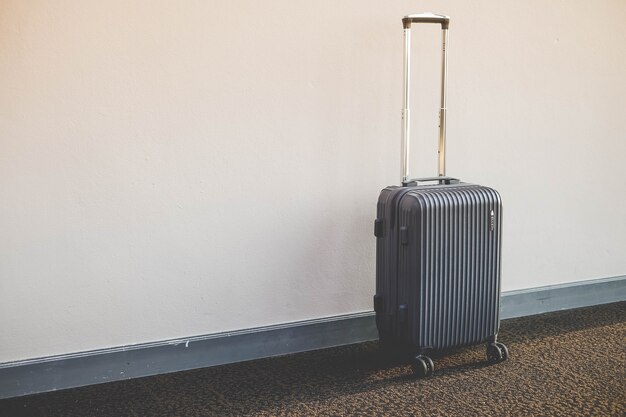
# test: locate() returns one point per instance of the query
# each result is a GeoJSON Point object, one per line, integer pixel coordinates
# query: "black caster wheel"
{"type": "Point", "coordinates": [504, 350]}
{"type": "Point", "coordinates": [494, 353]}
{"type": "Point", "coordinates": [423, 366]}
{"type": "Point", "coordinates": [430, 365]}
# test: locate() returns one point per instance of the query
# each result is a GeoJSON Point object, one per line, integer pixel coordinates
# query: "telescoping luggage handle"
{"type": "Point", "coordinates": [444, 21]}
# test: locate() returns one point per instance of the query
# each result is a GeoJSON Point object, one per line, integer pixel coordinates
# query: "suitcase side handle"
{"type": "Point", "coordinates": [426, 18]}
{"type": "Point", "coordinates": [406, 23]}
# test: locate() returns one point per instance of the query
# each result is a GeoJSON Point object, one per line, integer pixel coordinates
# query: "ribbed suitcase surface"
{"type": "Point", "coordinates": [438, 265]}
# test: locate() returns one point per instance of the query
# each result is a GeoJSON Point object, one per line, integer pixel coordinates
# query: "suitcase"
{"type": "Point", "coordinates": [438, 250]}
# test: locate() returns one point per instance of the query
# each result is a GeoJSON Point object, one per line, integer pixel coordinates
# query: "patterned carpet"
{"type": "Point", "coordinates": [561, 364]}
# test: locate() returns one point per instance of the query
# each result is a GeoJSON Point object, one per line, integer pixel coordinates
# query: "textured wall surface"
{"type": "Point", "coordinates": [170, 169]}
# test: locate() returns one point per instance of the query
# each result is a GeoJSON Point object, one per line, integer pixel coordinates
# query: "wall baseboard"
{"type": "Point", "coordinates": [86, 368]}
{"type": "Point", "coordinates": [540, 300]}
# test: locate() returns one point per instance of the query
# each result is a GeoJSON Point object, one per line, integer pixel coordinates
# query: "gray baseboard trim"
{"type": "Point", "coordinates": [562, 297]}
{"type": "Point", "coordinates": [94, 367]}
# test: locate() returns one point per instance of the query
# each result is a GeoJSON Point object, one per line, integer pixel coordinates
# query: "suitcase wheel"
{"type": "Point", "coordinates": [497, 352]}
{"type": "Point", "coordinates": [422, 366]}
{"type": "Point", "coordinates": [504, 350]}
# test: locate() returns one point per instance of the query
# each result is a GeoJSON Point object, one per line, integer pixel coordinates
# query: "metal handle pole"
{"type": "Point", "coordinates": [406, 23]}
{"type": "Point", "coordinates": [442, 110]}
{"type": "Point", "coordinates": [405, 106]}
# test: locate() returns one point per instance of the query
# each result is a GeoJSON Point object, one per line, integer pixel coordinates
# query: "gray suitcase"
{"type": "Point", "coordinates": [438, 251]}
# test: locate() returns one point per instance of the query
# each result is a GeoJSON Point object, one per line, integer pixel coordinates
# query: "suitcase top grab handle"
{"type": "Point", "coordinates": [426, 18]}
{"type": "Point", "coordinates": [406, 23]}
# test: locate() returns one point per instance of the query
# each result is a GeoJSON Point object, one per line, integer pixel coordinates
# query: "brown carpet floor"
{"type": "Point", "coordinates": [566, 363]}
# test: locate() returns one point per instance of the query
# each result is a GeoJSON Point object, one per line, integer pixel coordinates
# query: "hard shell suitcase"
{"type": "Point", "coordinates": [438, 250]}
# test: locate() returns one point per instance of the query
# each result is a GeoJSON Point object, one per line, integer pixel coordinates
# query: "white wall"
{"type": "Point", "coordinates": [170, 169]}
